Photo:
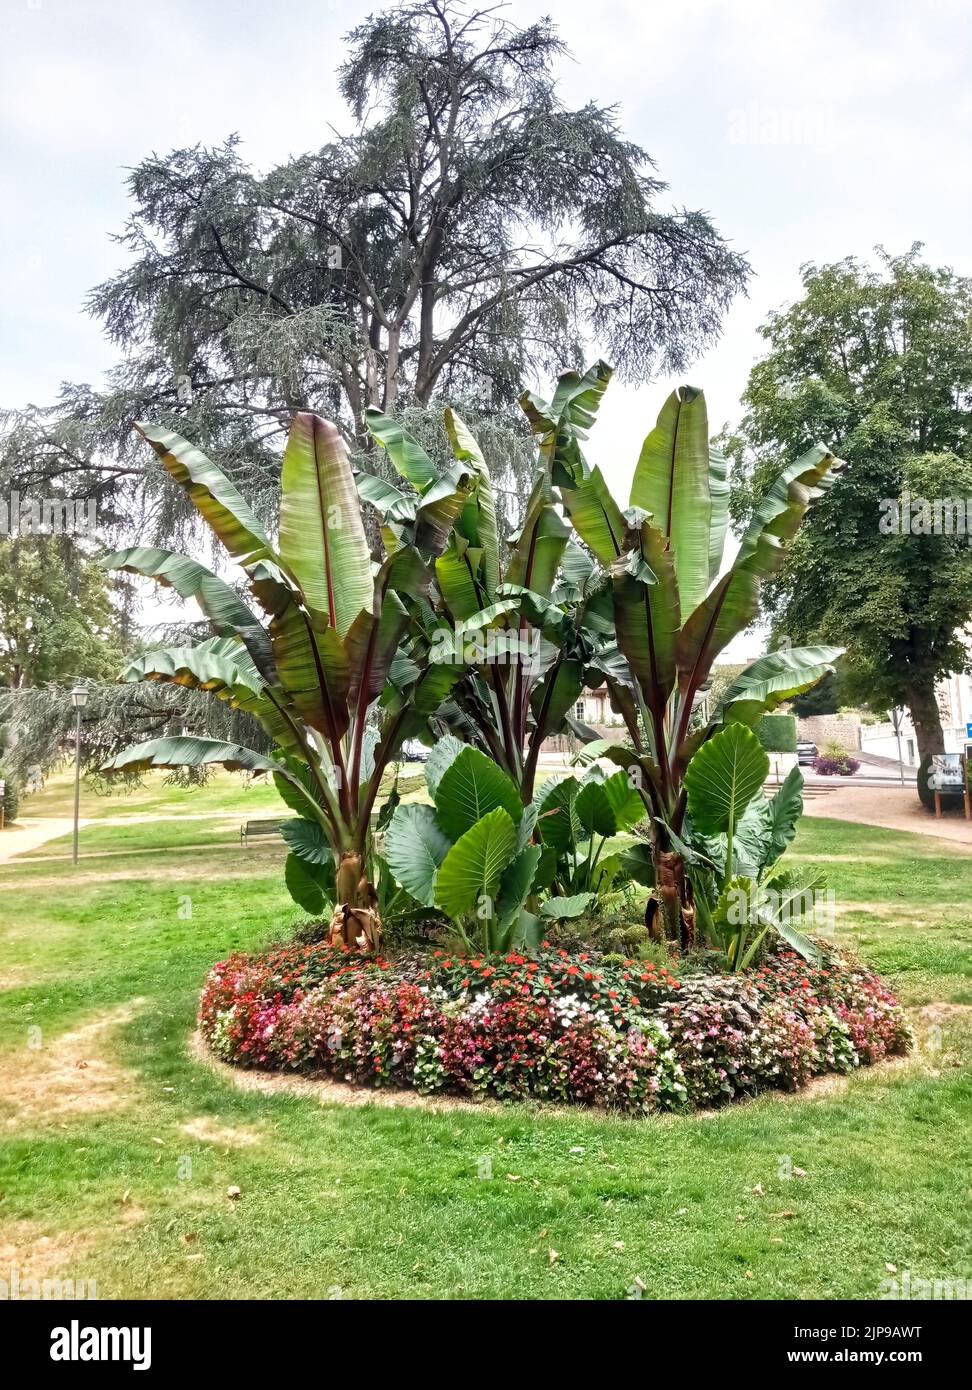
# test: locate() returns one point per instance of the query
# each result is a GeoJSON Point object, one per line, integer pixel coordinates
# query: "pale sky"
{"type": "Point", "coordinates": [809, 129]}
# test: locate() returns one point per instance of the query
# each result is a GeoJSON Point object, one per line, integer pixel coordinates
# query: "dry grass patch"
{"type": "Point", "coordinates": [70, 1074]}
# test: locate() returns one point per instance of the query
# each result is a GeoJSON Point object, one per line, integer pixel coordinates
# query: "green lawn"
{"type": "Point", "coordinates": [118, 1170]}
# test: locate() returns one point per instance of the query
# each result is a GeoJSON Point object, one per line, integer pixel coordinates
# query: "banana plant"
{"type": "Point", "coordinates": [525, 620]}
{"type": "Point", "coordinates": [335, 669]}
{"type": "Point", "coordinates": [734, 838]}
{"type": "Point", "coordinates": [674, 606]}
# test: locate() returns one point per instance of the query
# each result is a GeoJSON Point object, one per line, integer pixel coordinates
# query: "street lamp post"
{"type": "Point", "coordinates": [79, 698]}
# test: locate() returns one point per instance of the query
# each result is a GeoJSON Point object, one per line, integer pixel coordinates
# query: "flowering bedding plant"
{"type": "Point", "coordinates": [560, 1026]}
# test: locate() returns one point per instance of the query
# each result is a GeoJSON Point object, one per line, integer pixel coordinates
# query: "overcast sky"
{"type": "Point", "coordinates": [809, 129]}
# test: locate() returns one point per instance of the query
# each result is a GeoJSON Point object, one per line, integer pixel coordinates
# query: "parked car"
{"type": "Point", "coordinates": [806, 752]}
{"type": "Point", "coordinates": [414, 752]}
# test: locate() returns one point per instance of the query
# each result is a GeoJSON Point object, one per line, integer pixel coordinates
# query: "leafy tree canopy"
{"type": "Point", "coordinates": [57, 619]}
{"type": "Point", "coordinates": [464, 236]}
{"type": "Point", "coordinates": [878, 360]}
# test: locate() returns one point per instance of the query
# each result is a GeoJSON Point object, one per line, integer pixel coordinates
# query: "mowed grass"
{"type": "Point", "coordinates": [118, 1170]}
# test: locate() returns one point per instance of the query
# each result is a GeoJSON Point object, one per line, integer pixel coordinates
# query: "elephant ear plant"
{"type": "Point", "coordinates": [735, 838]}
{"type": "Point", "coordinates": [470, 854]}
{"type": "Point", "coordinates": [674, 607]}
{"type": "Point", "coordinates": [335, 669]}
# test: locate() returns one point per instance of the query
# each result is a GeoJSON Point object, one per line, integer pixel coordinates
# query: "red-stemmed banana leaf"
{"type": "Point", "coordinates": [406, 454]}
{"type": "Point", "coordinates": [218, 601]}
{"type": "Point", "coordinates": [440, 507]}
{"type": "Point", "coordinates": [538, 548]}
{"type": "Point", "coordinates": [672, 483]}
{"type": "Point", "coordinates": [646, 615]}
{"type": "Point", "coordinates": [212, 494]}
{"type": "Point", "coordinates": [322, 536]}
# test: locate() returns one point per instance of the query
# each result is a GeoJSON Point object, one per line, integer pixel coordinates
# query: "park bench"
{"type": "Point", "coordinates": [258, 829]}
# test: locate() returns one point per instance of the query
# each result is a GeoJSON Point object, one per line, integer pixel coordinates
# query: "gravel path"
{"type": "Point", "coordinates": [895, 808]}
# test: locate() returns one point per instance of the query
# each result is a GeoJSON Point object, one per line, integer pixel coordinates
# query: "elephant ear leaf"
{"type": "Point", "coordinates": [440, 758]}
{"type": "Point", "coordinates": [310, 885]}
{"type": "Point", "coordinates": [723, 777]}
{"type": "Point", "coordinates": [470, 874]}
{"type": "Point", "coordinates": [307, 840]}
{"type": "Point", "coordinates": [785, 809]}
{"type": "Point", "coordinates": [471, 787]}
{"type": "Point", "coordinates": [415, 846]}
{"type": "Point", "coordinates": [322, 536]}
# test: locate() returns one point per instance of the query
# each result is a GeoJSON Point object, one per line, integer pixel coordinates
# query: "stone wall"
{"type": "Point", "coordinates": [830, 728]}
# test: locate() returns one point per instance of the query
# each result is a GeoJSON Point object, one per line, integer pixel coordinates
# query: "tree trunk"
{"type": "Point", "coordinates": [670, 914]}
{"type": "Point", "coordinates": [925, 715]}
{"type": "Point", "coordinates": [355, 923]}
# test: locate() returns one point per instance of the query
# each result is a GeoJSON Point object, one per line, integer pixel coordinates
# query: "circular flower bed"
{"type": "Point", "coordinates": [559, 1026]}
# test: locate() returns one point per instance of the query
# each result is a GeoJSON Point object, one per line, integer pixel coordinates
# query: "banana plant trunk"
{"type": "Point", "coordinates": [356, 922]}
{"type": "Point", "coordinates": [670, 913]}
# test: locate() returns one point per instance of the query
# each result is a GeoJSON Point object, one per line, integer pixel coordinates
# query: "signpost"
{"type": "Point", "coordinates": [948, 773]}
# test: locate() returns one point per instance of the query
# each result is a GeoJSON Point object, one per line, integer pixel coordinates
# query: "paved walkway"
{"type": "Point", "coordinates": [30, 832]}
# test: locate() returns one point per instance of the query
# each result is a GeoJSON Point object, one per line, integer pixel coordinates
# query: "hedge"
{"type": "Point", "coordinates": [777, 733]}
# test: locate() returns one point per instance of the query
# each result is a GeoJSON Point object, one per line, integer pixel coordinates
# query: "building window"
{"type": "Point", "coordinates": [579, 712]}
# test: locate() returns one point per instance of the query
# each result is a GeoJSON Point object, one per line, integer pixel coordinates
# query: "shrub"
{"type": "Point", "coordinates": [838, 765]}
{"type": "Point", "coordinates": [777, 733]}
{"type": "Point", "coordinates": [11, 797]}
{"type": "Point", "coordinates": [563, 1026]}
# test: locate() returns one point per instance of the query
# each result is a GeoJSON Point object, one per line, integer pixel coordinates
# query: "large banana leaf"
{"type": "Point", "coordinates": [457, 572]}
{"type": "Point", "coordinates": [372, 641]}
{"type": "Point", "coordinates": [778, 516]}
{"type": "Point", "coordinates": [221, 605]}
{"type": "Point", "coordinates": [719, 497]}
{"type": "Point", "coordinates": [732, 604]}
{"type": "Point", "coordinates": [224, 668]}
{"type": "Point", "coordinates": [562, 425]}
{"type": "Point", "coordinates": [646, 615]}
{"type": "Point", "coordinates": [406, 454]}
{"type": "Point", "coordinates": [729, 608]}
{"type": "Point", "coordinates": [184, 751]}
{"type": "Point", "coordinates": [314, 667]}
{"type": "Point", "coordinates": [773, 678]}
{"type": "Point", "coordinates": [672, 483]}
{"type": "Point", "coordinates": [575, 403]}
{"type": "Point", "coordinates": [322, 536]}
{"type": "Point", "coordinates": [440, 507]}
{"type": "Point", "coordinates": [723, 777]}
{"type": "Point", "coordinates": [219, 664]}
{"type": "Point", "coordinates": [539, 547]}
{"type": "Point", "coordinates": [387, 500]}
{"type": "Point", "coordinates": [212, 494]}
{"type": "Point", "coordinates": [596, 516]}
{"type": "Point", "coordinates": [479, 514]}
